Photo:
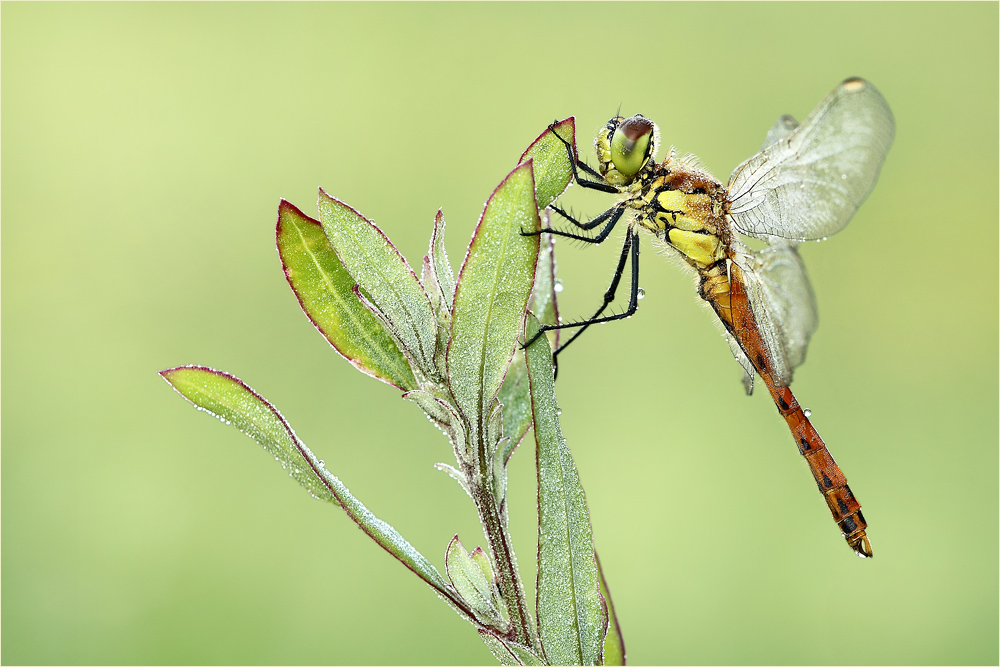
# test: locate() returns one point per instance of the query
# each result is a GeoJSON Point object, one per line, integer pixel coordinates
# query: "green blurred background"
{"type": "Point", "coordinates": [145, 148]}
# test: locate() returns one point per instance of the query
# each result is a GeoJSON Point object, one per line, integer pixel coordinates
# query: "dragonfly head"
{"type": "Point", "coordinates": [625, 147]}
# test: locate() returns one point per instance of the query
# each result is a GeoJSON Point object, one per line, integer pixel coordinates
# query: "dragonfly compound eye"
{"type": "Point", "coordinates": [632, 146]}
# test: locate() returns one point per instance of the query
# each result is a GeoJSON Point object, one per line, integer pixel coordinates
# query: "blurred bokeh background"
{"type": "Point", "coordinates": [145, 149]}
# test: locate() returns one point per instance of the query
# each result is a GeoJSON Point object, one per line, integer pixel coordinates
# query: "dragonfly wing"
{"type": "Point", "coordinates": [744, 361]}
{"type": "Point", "coordinates": [783, 305]}
{"type": "Point", "coordinates": [810, 181]}
{"type": "Point", "coordinates": [781, 129]}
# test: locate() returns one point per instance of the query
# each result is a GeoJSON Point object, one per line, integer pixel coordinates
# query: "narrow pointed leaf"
{"type": "Point", "coordinates": [456, 475]}
{"type": "Point", "coordinates": [509, 653]}
{"type": "Point", "coordinates": [543, 302]}
{"type": "Point", "coordinates": [516, 402]}
{"type": "Point", "coordinates": [572, 617]}
{"type": "Point", "coordinates": [445, 418]}
{"type": "Point", "coordinates": [324, 290]}
{"type": "Point", "coordinates": [232, 401]}
{"type": "Point", "coordinates": [444, 276]}
{"type": "Point", "coordinates": [514, 393]}
{"type": "Point", "coordinates": [384, 275]}
{"type": "Point", "coordinates": [439, 283]}
{"type": "Point", "coordinates": [483, 562]}
{"type": "Point", "coordinates": [468, 578]}
{"type": "Point", "coordinates": [614, 644]}
{"type": "Point", "coordinates": [492, 293]}
{"type": "Point", "coordinates": [553, 171]}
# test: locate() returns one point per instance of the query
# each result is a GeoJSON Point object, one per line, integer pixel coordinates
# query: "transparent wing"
{"type": "Point", "coordinates": [744, 361]}
{"type": "Point", "coordinates": [808, 183]}
{"type": "Point", "coordinates": [781, 129]}
{"type": "Point", "coordinates": [783, 304]}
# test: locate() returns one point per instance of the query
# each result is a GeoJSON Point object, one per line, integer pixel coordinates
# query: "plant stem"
{"type": "Point", "coordinates": [500, 545]}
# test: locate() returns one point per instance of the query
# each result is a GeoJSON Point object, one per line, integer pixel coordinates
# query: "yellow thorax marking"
{"type": "Point", "coordinates": [702, 249]}
{"type": "Point", "coordinates": [686, 219]}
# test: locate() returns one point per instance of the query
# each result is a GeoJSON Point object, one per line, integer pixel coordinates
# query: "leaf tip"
{"type": "Point", "coordinates": [571, 122]}
{"type": "Point", "coordinates": [168, 374]}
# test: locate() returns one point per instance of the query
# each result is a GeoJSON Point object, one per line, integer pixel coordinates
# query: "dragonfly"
{"type": "Point", "coordinates": [805, 184]}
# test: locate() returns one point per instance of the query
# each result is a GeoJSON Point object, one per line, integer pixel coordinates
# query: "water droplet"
{"type": "Point", "coordinates": [844, 176]}
{"type": "Point", "coordinates": [558, 411]}
{"type": "Point", "coordinates": [807, 412]}
{"type": "Point", "coordinates": [640, 293]}
{"type": "Point", "coordinates": [558, 286]}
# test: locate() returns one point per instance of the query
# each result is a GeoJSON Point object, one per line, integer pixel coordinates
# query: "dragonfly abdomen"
{"type": "Point", "coordinates": [830, 479]}
{"type": "Point", "coordinates": [713, 287]}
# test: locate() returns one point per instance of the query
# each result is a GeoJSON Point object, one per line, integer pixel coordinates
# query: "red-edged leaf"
{"type": "Point", "coordinates": [324, 290]}
{"type": "Point", "coordinates": [492, 293]}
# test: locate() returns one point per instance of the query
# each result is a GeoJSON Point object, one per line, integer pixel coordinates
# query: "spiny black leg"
{"type": "Point", "coordinates": [601, 184]}
{"type": "Point", "coordinates": [612, 215]}
{"type": "Point", "coordinates": [572, 155]}
{"type": "Point", "coordinates": [609, 296]}
{"type": "Point", "coordinates": [593, 223]}
{"type": "Point", "coordinates": [630, 250]}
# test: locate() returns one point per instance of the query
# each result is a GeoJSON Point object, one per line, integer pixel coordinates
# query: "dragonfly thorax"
{"type": "Point", "coordinates": [684, 207]}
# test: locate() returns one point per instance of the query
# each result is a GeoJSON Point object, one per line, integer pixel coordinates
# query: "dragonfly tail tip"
{"type": "Point", "coordinates": [862, 546]}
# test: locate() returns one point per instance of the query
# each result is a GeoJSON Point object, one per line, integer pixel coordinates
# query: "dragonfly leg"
{"type": "Point", "coordinates": [630, 251]}
{"type": "Point", "coordinates": [609, 218]}
{"type": "Point", "coordinates": [599, 183]}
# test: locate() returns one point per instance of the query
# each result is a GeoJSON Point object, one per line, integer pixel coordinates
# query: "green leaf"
{"type": "Point", "coordinates": [514, 393]}
{"type": "Point", "coordinates": [492, 293]}
{"type": "Point", "coordinates": [229, 399]}
{"type": "Point", "coordinates": [553, 171]}
{"type": "Point", "coordinates": [472, 582]}
{"type": "Point", "coordinates": [384, 276]}
{"type": "Point", "coordinates": [554, 176]}
{"type": "Point", "coordinates": [508, 652]}
{"type": "Point", "coordinates": [438, 267]}
{"type": "Point", "coordinates": [572, 617]}
{"type": "Point", "coordinates": [516, 402]}
{"type": "Point", "coordinates": [614, 644]}
{"type": "Point", "coordinates": [543, 302]}
{"type": "Point", "coordinates": [324, 290]}
{"type": "Point", "coordinates": [439, 283]}
{"type": "Point", "coordinates": [443, 415]}
{"type": "Point", "coordinates": [481, 560]}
